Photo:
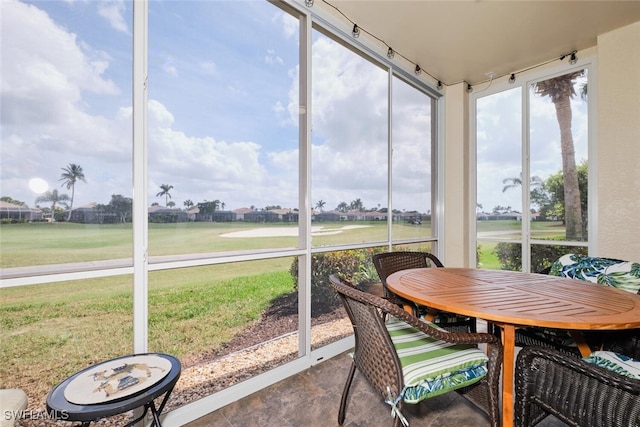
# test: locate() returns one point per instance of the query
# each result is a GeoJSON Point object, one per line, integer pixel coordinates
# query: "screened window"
{"type": "Point", "coordinates": [532, 188]}
{"type": "Point", "coordinates": [350, 145]}
{"type": "Point", "coordinates": [66, 134]}
{"type": "Point", "coordinates": [413, 148]}
{"type": "Point", "coordinates": [223, 127]}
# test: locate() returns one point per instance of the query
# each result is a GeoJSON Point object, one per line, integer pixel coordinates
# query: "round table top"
{"type": "Point", "coordinates": [65, 402]}
{"type": "Point", "coordinates": [525, 299]}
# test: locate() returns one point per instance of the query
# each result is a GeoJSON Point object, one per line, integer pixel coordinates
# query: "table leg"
{"type": "Point", "coordinates": [581, 342]}
{"type": "Point", "coordinates": [431, 314]}
{"type": "Point", "coordinates": [154, 413]}
{"type": "Point", "coordinates": [508, 344]}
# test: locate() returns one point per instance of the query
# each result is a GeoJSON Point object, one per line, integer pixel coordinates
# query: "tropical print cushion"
{"type": "Point", "coordinates": [431, 367]}
{"type": "Point", "coordinates": [615, 362]}
{"type": "Point", "coordinates": [619, 274]}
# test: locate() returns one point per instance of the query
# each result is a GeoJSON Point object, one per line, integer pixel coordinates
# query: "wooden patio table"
{"type": "Point", "coordinates": [512, 299]}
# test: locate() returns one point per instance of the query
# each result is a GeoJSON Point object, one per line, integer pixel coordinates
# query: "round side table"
{"type": "Point", "coordinates": [62, 405]}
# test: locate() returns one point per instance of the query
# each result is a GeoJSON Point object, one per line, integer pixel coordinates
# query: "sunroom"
{"type": "Point", "coordinates": [337, 112]}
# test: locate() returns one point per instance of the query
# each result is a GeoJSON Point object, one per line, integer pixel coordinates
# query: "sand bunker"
{"type": "Point", "coordinates": [289, 231]}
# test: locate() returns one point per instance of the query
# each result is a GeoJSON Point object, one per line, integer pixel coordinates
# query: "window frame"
{"type": "Point", "coordinates": [524, 82]}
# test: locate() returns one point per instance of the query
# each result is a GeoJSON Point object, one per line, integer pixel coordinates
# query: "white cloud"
{"type": "Point", "coordinates": [201, 168]}
{"type": "Point", "coordinates": [350, 133]}
{"type": "Point", "coordinates": [43, 56]}
{"type": "Point", "coordinates": [272, 58]}
{"type": "Point", "coordinates": [46, 123]}
{"type": "Point", "coordinates": [169, 67]}
{"type": "Point", "coordinates": [290, 25]}
{"type": "Point", "coordinates": [113, 11]}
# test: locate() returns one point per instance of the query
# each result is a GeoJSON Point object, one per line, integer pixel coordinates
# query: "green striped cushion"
{"type": "Point", "coordinates": [430, 366]}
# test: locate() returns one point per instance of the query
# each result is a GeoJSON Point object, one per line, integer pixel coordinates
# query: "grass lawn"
{"type": "Point", "coordinates": [51, 330]}
{"type": "Point", "coordinates": [24, 245]}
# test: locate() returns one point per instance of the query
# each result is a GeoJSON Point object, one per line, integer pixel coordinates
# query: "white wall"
{"type": "Point", "coordinates": [618, 206]}
{"type": "Point", "coordinates": [456, 177]}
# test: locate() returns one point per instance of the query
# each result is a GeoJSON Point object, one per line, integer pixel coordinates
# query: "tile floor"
{"type": "Point", "coordinates": [312, 398]}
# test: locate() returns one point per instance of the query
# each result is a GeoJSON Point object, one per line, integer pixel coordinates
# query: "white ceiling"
{"type": "Point", "coordinates": [457, 41]}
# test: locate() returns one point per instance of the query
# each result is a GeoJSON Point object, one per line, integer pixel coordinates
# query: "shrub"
{"type": "Point", "coordinates": [542, 256]}
{"type": "Point", "coordinates": [354, 265]}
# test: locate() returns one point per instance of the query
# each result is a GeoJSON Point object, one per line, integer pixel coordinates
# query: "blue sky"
{"type": "Point", "coordinates": [218, 95]}
{"type": "Point", "coordinates": [499, 129]}
{"type": "Point", "coordinates": [222, 108]}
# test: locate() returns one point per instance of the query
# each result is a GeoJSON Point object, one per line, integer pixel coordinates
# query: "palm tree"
{"type": "Point", "coordinates": [516, 182]}
{"type": "Point", "coordinates": [320, 205]}
{"type": "Point", "coordinates": [561, 90]}
{"type": "Point", "coordinates": [69, 176]}
{"type": "Point", "coordinates": [54, 197]}
{"type": "Point", "coordinates": [357, 205]}
{"type": "Point", "coordinates": [165, 192]}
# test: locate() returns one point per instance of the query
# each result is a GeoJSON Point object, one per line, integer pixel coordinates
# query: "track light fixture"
{"type": "Point", "coordinates": [390, 53]}
{"type": "Point", "coordinates": [469, 88]}
{"type": "Point", "coordinates": [512, 79]}
{"type": "Point", "coordinates": [418, 70]}
{"type": "Point", "coordinates": [573, 59]}
{"type": "Point", "coordinates": [440, 85]}
{"type": "Point", "coordinates": [356, 31]}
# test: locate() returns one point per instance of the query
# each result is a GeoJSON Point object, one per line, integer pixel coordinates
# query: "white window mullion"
{"type": "Point", "coordinates": [526, 180]}
{"type": "Point", "coordinates": [304, 276]}
{"type": "Point", "coordinates": [140, 209]}
{"type": "Point", "coordinates": [390, 162]}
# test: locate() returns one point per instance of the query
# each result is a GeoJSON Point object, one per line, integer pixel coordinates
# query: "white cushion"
{"type": "Point", "coordinates": [623, 275]}
{"type": "Point", "coordinates": [623, 365]}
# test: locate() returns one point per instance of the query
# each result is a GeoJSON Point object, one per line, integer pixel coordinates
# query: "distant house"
{"type": "Point", "coordinates": [505, 216]}
{"type": "Point", "coordinates": [224, 216]}
{"type": "Point", "coordinates": [166, 215]}
{"type": "Point", "coordinates": [193, 213]}
{"type": "Point", "coordinates": [240, 212]}
{"type": "Point", "coordinates": [286, 215]}
{"type": "Point", "coordinates": [375, 216]}
{"type": "Point", "coordinates": [89, 214]}
{"type": "Point", "coordinates": [330, 216]}
{"type": "Point", "coordinates": [261, 216]}
{"type": "Point", "coordinates": [19, 213]}
{"type": "Point", "coordinates": [216, 216]}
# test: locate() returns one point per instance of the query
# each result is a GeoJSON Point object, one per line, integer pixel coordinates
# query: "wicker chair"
{"type": "Point", "coordinates": [388, 263]}
{"type": "Point", "coordinates": [576, 392]}
{"type": "Point", "coordinates": [376, 358]}
{"type": "Point", "coordinates": [592, 269]}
